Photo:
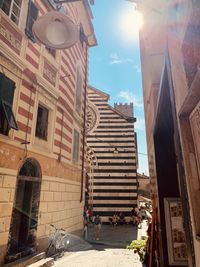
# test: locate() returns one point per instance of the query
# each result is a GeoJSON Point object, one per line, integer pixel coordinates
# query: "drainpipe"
{"type": "Point", "coordinates": [84, 123]}
{"type": "Point", "coordinates": [61, 137]}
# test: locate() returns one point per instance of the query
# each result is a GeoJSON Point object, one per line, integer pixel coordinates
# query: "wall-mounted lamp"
{"type": "Point", "coordinates": [56, 30]}
{"type": "Point", "coordinates": [69, 1]}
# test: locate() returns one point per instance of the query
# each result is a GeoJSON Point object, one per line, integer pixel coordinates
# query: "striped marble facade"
{"type": "Point", "coordinates": [46, 96]}
{"type": "Point", "coordinates": [111, 136]}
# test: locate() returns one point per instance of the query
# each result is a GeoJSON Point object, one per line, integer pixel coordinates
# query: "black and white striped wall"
{"type": "Point", "coordinates": [112, 138]}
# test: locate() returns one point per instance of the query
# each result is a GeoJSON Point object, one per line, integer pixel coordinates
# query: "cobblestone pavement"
{"type": "Point", "coordinates": [101, 258]}
{"type": "Point", "coordinates": [109, 251]}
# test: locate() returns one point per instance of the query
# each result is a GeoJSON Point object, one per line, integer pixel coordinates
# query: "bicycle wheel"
{"type": "Point", "coordinates": [51, 250]}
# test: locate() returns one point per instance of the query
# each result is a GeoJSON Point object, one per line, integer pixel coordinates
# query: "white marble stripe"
{"type": "Point", "coordinates": [111, 134]}
{"type": "Point", "coordinates": [110, 187]}
{"type": "Point", "coordinates": [111, 145]}
{"type": "Point", "coordinates": [114, 174]}
{"type": "Point", "coordinates": [115, 160]}
{"type": "Point", "coordinates": [122, 180]}
{"type": "Point", "coordinates": [113, 130]}
{"type": "Point", "coordinates": [120, 149]}
{"type": "Point", "coordinates": [116, 124]}
{"type": "Point", "coordinates": [113, 201]}
{"type": "Point", "coordinates": [117, 139]}
{"type": "Point", "coordinates": [133, 194]}
{"type": "Point", "coordinates": [115, 116]}
{"type": "Point", "coordinates": [123, 166]}
{"type": "Point", "coordinates": [114, 208]}
{"type": "Point", "coordinates": [114, 155]}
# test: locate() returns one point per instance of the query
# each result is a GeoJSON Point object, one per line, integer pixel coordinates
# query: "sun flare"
{"type": "Point", "coordinates": [130, 22]}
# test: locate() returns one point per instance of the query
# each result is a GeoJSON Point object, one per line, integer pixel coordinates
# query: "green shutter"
{"type": "Point", "coordinates": [1, 3]}
{"type": "Point", "coordinates": [31, 18]}
{"type": "Point", "coordinates": [7, 119]}
{"type": "Point", "coordinates": [7, 88]}
{"type": "Point", "coordinates": [9, 116]}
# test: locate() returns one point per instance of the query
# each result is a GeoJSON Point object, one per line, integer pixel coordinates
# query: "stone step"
{"type": "Point", "coordinates": [26, 261]}
{"type": "Point", "coordinates": [43, 263]}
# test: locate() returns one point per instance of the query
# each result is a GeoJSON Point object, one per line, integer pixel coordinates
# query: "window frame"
{"type": "Point", "coordinates": [11, 11]}
{"type": "Point", "coordinates": [45, 138]}
{"type": "Point", "coordinates": [11, 123]}
{"type": "Point", "coordinates": [28, 27]}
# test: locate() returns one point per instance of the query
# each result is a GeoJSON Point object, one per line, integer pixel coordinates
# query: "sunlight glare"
{"type": "Point", "coordinates": [130, 22]}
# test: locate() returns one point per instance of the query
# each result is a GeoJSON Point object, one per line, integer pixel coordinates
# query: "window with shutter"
{"type": "Point", "coordinates": [7, 118]}
{"type": "Point", "coordinates": [75, 155]}
{"type": "Point", "coordinates": [41, 130]}
{"type": "Point", "coordinates": [79, 85]}
{"type": "Point", "coordinates": [12, 8]}
{"type": "Point", "coordinates": [31, 18]}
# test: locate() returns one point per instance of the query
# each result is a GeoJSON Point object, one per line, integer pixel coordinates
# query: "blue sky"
{"type": "Point", "coordinates": [115, 62]}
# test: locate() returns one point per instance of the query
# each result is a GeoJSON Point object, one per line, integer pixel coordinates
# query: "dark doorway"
{"type": "Point", "coordinates": [169, 166]}
{"type": "Point", "coordinates": [166, 160]}
{"type": "Point", "coordinates": [22, 236]}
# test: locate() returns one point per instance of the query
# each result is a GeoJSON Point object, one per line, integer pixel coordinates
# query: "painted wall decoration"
{"type": "Point", "coordinates": [176, 242]}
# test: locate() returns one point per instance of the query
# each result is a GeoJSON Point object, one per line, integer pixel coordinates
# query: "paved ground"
{"type": "Point", "coordinates": [109, 251]}
{"type": "Point", "coordinates": [100, 258]}
{"type": "Point", "coordinates": [117, 236]}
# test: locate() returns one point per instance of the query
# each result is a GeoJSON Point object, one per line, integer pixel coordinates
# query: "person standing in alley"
{"type": "Point", "coordinates": [97, 227]}
{"type": "Point", "coordinates": [139, 218]}
{"type": "Point", "coordinates": [85, 222]}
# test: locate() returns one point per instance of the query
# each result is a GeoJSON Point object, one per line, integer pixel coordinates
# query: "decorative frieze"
{"type": "Point", "coordinates": [6, 63]}
{"type": "Point", "coordinates": [9, 35]}
{"type": "Point", "coordinates": [49, 72]}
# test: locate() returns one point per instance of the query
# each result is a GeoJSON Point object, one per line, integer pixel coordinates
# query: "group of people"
{"type": "Point", "coordinates": [117, 219]}
{"type": "Point", "coordinates": [88, 218]}
{"type": "Point", "coordinates": [137, 216]}
{"type": "Point", "coordinates": [140, 214]}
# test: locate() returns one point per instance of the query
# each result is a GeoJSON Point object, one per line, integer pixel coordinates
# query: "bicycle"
{"type": "Point", "coordinates": [58, 243]}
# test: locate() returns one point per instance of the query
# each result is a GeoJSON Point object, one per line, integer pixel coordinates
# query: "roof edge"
{"type": "Point", "coordinates": [128, 118]}
{"type": "Point", "coordinates": [99, 91]}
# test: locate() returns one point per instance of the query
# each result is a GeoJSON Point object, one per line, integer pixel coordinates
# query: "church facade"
{"type": "Point", "coordinates": [112, 185]}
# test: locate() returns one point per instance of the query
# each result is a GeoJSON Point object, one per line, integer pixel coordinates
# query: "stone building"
{"type": "Point", "coordinates": [42, 108]}
{"type": "Point", "coordinates": [143, 185]}
{"type": "Point", "coordinates": [169, 42]}
{"type": "Point", "coordinates": [111, 139]}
